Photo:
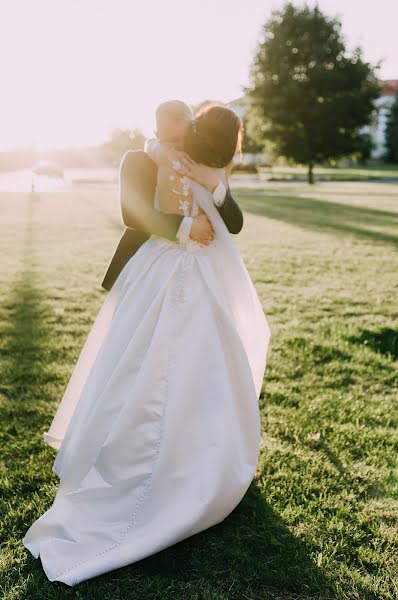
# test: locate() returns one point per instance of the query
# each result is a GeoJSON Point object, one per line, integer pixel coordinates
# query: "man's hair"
{"type": "Point", "coordinates": [174, 109]}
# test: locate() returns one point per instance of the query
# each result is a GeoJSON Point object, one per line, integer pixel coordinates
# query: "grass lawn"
{"type": "Point", "coordinates": [357, 173]}
{"type": "Point", "coordinates": [320, 518]}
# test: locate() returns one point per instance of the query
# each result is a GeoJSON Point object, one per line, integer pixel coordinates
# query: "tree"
{"type": "Point", "coordinates": [392, 133]}
{"type": "Point", "coordinates": [311, 96]}
{"type": "Point", "coordinates": [121, 140]}
{"type": "Point", "coordinates": [251, 144]}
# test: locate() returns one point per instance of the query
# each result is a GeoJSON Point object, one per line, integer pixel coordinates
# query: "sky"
{"type": "Point", "coordinates": [71, 70]}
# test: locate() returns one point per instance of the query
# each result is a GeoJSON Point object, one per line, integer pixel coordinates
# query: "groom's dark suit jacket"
{"type": "Point", "coordinates": [137, 184]}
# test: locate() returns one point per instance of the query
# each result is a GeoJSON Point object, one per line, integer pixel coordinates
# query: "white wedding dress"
{"type": "Point", "coordinates": [158, 431]}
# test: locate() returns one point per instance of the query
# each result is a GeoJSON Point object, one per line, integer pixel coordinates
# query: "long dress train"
{"type": "Point", "coordinates": [157, 434]}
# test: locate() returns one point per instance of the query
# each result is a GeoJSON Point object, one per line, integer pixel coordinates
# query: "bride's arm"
{"type": "Point", "coordinates": [226, 205]}
{"type": "Point", "coordinates": [206, 176]}
{"type": "Point", "coordinates": [174, 196]}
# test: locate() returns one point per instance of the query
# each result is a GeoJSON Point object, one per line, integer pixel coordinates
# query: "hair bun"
{"type": "Point", "coordinates": [212, 137]}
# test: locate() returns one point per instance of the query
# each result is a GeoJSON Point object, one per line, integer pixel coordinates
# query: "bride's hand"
{"type": "Point", "coordinates": [202, 230]}
{"type": "Point", "coordinates": [202, 174]}
{"type": "Point", "coordinates": [175, 159]}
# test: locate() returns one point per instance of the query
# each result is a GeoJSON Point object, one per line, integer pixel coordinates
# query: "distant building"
{"type": "Point", "coordinates": [383, 104]}
{"type": "Point", "coordinates": [239, 106]}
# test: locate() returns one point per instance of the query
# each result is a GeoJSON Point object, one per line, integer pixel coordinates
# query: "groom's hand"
{"type": "Point", "coordinates": [202, 230]}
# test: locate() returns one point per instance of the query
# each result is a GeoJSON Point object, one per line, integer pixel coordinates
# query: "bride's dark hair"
{"type": "Point", "coordinates": [214, 136]}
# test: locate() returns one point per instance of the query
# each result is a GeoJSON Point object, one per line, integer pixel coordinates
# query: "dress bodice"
{"type": "Point", "coordinates": [189, 188]}
{"type": "Point", "coordinates": [187, 208]}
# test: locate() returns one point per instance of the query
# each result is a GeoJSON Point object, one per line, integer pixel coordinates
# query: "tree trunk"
{"type": "Point", "coordinates": [310, 172]}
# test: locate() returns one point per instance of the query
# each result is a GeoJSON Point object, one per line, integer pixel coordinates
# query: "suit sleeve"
{"type": "Point", "coordinates": [137, 183]}
{"type": "Point", "coordinates": [231, 213]}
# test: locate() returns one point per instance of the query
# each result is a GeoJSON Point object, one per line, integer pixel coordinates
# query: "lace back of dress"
{"type": "Point", "coordinates": [194, 189]}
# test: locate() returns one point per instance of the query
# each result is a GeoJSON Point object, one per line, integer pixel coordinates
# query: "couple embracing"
{"type": "Point", "coordinates": [158, 431]}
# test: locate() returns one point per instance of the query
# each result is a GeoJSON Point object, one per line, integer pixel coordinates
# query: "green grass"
{"type": "Point", "coordinates": [357, 173]}
{"type": "Point", "coordinates": [320, 517]}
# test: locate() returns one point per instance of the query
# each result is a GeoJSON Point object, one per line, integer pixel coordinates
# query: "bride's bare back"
{"type": "Point", "coordinates": [174, 193]}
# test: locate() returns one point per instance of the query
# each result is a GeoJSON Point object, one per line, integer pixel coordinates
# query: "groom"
{"type": "Point", "coordinates": [137, 181]}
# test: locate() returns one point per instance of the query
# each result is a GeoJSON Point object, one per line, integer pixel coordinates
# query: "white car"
{"type": "Point", "coordinates": [47, 167]}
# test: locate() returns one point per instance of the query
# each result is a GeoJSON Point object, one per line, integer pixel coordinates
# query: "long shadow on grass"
{"type": "Point", "coordinates": [384, 341]}
{"type": "Point", "coordinates": [24, 330]}
{"type": "Point", "coordinates": [24, 375]}
{"type": "Point", "coordinates": [24, 337]}
{"type": "Point", "coordinates": [319, 215]}
{"type": "Point", "coordinates": [250, 555]}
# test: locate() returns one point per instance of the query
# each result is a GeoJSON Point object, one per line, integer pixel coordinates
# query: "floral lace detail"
{"type": "Point", "coordinates": [186, 186]}
{"type": "Point", "coordinates": [195, 209]}
{"type": "Point", "coordinates": [183, 206]}
{"type": "Point", "coordinates": [184, 203]}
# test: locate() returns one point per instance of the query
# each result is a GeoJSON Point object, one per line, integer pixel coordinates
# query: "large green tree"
{"type": "Point", "coordinates": [392, 133]}
{"type": "Point", "coordinates": [311, 96]}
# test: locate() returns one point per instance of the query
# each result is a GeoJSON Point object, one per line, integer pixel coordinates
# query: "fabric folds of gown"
{"type": "Point", "coordinates": [158, 431]}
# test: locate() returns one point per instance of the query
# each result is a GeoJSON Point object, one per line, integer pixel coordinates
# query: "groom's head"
{"type": "Point", "coordinates": [172, 121]}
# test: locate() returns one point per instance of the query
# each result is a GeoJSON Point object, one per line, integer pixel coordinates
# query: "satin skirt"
{"type": "Point", "coordinates": [158, 433]}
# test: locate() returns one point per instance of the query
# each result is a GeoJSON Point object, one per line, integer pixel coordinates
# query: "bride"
{"type": "Point", "coordinates": [158, 431]}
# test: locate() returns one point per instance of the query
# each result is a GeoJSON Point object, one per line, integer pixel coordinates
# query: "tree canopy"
{"type": "Point", "coordinates": [309, 97]}
{"type": "Point", "coordinates": [121, 140]}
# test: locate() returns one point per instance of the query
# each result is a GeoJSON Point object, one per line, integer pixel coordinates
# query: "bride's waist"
{"type": "Point", "coordinates": [188, 245]}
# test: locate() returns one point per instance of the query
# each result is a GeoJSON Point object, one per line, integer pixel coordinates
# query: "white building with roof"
{"type": "Point", "coordinates": [383, 105]}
